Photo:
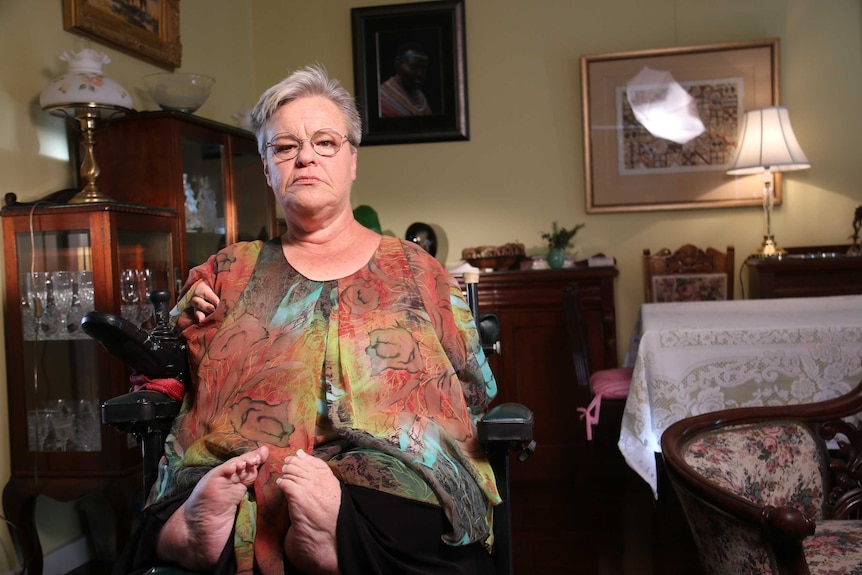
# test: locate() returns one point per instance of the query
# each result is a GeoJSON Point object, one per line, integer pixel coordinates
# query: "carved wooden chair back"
{"type": "Point", "coordinates": [688, 274]}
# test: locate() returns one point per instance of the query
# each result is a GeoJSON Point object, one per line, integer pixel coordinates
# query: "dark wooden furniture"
{"type": "Point", "coordinates": [534, 366]}
{"type": "Point", "coordinates": [56, 375]}
{"type": "Point", "coordinates": [606, 385]}
{"type": "Point", "coordinates": [171, 160]}
{"type": "Point", "coordinates": [808, 271]}
{"type": "Point", "coordinates": [688, 260]}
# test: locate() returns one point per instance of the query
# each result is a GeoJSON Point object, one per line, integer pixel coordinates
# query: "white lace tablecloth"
{"type": "Point", "coordinates": [697, 357]}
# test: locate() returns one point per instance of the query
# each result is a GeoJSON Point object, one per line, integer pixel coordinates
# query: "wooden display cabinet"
{"type": "Point", "coordinates": [210, 173]}
{"type": "Point", "coordinates": [60, 262]}
{"type": "Point", "coordinates": [810, 271]}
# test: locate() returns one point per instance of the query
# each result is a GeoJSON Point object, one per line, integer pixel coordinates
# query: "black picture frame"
{"type": "Point", "coordinates": [438, 29]}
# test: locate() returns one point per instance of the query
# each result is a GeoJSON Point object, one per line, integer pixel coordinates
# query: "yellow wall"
{"type": "Point", "coordinates": [524, 96]}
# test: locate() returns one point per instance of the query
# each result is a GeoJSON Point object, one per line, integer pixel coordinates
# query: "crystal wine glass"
{"type": "Point", "coordinates": [129, 294]}
{"type": "Point", "coordinates": [61, 282]}
{"type": "Point", "coordinates": [85, 290]}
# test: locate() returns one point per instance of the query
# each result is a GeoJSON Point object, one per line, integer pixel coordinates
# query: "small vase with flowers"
{"type": "Point", "coordinates": [559, 239]}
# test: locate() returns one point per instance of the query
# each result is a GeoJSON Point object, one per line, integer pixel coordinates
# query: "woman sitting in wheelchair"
{"type": "Point", "coordinates": [329, 426]}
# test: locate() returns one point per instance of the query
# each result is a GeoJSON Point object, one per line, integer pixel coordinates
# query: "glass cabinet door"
{"type": "Point", "coordinates": [204, 190]}
{"type": "Point", "coordinates": [65, 268]}
{"type": "Point", "coordinates": [145, 266]}
{"type": "Point", "coordinates": [56, 289]}
{"type": "Point", "coordinates": [243, 201]}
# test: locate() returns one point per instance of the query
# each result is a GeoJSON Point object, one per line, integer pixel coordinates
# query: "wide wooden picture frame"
{"type": "Point", "coordinates": [148, 29]}
{"type": "Point", "coordinates": [628, 168]}
{"type": "Point", "coordinates": [435, 32]}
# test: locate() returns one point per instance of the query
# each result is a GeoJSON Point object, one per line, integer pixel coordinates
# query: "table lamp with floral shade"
{"type": "Point", "coordinates": [86, 95]}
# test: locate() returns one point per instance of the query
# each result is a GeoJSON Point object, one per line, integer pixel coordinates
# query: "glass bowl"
{"type": "Point", "coordinates": [179, 91]}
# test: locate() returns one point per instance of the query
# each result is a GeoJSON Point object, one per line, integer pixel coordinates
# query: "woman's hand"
{"type": "Point", "coordinates": [204, 301]}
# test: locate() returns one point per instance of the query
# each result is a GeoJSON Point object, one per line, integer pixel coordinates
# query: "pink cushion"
{"type": "Point", "coordinates": [610, 383]}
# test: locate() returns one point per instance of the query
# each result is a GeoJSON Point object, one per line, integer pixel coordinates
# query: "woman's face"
{"type": "Point", "coordinates": [312, 189]}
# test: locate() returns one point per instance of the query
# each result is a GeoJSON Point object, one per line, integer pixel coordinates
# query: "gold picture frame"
{"type": "Point", "coordinates": [630, 169]}
{"type": "Point", "coordinates": [146, 29]}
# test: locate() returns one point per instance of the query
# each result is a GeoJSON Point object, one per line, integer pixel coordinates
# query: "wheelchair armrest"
{"type": "Point", "coordinates": [509, 425]}
{"type": "Point", "coordinates": [139, 410]}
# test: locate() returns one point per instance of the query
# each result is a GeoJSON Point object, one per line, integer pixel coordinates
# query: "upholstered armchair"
{"type": "Point", "coordinates": [772, 490]}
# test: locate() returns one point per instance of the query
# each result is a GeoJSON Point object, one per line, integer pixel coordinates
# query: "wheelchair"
{"type": "Point", "coordinates": [147, 415]}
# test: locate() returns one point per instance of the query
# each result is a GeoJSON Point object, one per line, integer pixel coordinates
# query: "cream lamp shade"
{"type": "Point", "coordinates": [766, 145]}
{"type": "Point", "coordinates": [767, 142]}
{"type": "Point", "coordinates": [86, 95]}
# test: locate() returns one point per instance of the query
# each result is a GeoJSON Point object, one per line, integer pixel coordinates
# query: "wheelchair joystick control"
{"type": "Point", "coordinates": [161, 314]}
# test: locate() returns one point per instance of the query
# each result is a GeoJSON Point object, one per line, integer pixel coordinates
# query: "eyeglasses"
{"type": "Point", "coordinates": [326, 142]}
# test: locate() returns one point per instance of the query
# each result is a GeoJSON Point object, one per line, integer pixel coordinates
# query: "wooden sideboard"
{"type": "Point", "coordinates": [809, 271]}
{"type": "Point", "coordinates": [535, 365]}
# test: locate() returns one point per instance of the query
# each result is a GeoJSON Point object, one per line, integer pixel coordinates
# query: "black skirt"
{"type": "Point", "coordinates": [377, 534]}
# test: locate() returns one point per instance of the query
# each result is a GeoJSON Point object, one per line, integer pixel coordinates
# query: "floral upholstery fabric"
{"type": "Point", "coordinates": [775, 464]}
{"type": "Point", "coordinates": [835, 548]}
{"type": "Point", "coordinates": [725, 545]}
{"type": "Point", "coordinates": [689, 287]}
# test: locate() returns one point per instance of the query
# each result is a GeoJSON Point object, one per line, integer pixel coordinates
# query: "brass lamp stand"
{"type": "Point", "coordinates": [768, 248]}
{"type": "Point", "coordinates": [86, 116]}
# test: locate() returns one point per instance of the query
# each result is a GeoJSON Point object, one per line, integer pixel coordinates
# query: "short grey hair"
{"type": "Point", "coordinates": [308, 81]}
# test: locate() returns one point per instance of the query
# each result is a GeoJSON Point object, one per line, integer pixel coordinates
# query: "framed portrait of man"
{"type": "Point", "coordinates": [410, 72]}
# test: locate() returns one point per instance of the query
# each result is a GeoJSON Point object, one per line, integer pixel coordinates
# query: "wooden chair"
{"type": "Point", "coordinates": [688, 274]}
{"type": "Point", "coordinates": [773, 489]}
{"type": "Point", "coordinates": [611, 384]}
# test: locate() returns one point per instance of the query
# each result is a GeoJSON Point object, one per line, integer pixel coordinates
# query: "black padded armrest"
{"type": "Point", "coordinates": [506, 422]}
{"type": "Point", "coordinates": [144, 406]}
{"type": "Point", "coordinates": [508, 427]}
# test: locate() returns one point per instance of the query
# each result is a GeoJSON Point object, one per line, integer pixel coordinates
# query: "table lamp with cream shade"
{"type": "Point", "coordinates": [767, 145]}
{"type": "Point", "coordinates": [86, 95]}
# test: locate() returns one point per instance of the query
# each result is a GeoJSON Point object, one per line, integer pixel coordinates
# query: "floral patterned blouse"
{"type": "Point", "coordinates": [379, 373]}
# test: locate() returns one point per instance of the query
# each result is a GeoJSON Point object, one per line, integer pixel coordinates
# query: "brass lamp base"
{"type": "Point", "coordinates": [768, 249]}
{"type": "Point", "coordinates": [86, 116]}
{"type": "Point", "coordinates": [90, 195]}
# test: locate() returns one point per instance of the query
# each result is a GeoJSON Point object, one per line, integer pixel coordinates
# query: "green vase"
{"type": "Point", "coordinates": [556, 258]}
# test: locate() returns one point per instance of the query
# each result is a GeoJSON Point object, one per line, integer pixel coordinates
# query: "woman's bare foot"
{"type": "Point", "coordinates": [195, 535]}
{"type": "Point", "coordinates": [313, 496]}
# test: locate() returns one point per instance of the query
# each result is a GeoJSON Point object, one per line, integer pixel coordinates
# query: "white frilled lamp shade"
{"type": "Point", "coordinates": [767, 142]}
{"type": "Point", "coordinates": [86, 95]}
